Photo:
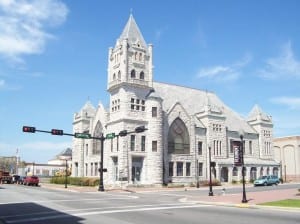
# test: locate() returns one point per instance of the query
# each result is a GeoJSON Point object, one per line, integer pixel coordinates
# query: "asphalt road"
{"type": "Point", "coordinates": [26, 204]}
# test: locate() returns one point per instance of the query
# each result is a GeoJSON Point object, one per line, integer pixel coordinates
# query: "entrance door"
{"type": "Point", "coordinates": [224, 174]}
{"type": "Point", "coordinates": [136, 169]}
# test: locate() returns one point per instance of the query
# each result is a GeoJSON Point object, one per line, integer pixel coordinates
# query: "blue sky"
{"type": "Point", "coordinates": [53, 58]}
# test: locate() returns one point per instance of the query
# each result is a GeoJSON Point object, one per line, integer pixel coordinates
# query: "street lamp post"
{"type": "Point", "coordinates": [66, 158]}
{"type": "Point", "coordinates": [244, 200]}
{"type": "Point", "coordinates": [66, 174]}
{"type": "Point", "coordinates": [210, 183]}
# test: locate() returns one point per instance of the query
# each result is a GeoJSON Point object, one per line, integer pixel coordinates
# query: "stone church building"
{"type": "Point", "coordinates": [183, 124]}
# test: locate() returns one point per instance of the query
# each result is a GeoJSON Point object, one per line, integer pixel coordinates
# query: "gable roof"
{"type": "Point", "coordinates": [196, 101]}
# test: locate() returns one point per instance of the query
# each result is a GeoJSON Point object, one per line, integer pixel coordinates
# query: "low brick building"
{"type": "Point", "coordinates": [287, 153]}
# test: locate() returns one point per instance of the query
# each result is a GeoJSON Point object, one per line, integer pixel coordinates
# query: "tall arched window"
{"type": "Point", "coordinates": [142, 75]}
{"type": "Point", "coordinates": [178, 138]}
{"type": "Point", "coordinates": [97, 133]}
{"type": "Point", "coordinates": [135, 55]}
{"type": "Point", "coordinates": [132, 74]}
{"type": "Point", "coordinates": [114, 76]}
{"type": "Point", "coordinates": [119, 75]}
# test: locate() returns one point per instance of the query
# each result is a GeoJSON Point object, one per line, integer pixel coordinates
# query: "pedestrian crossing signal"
{"type": "Point", "coordinates": [28, 129]}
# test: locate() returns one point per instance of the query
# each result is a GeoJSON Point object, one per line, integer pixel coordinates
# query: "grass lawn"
{"type": "Point", "coordinates": [295, 203]}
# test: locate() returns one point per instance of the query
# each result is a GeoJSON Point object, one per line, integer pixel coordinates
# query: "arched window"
{"type": "Point", "coordinates": [97, 133]}
{"type": "Point", "coordinates": [114, 76]}
{"type": "Point", "coordinates": [119, 75]}
{"type": "Point", "coordinates": [132, 74]}
{"type": "Point", "coordinates": [142, 75]}
{"type": "Point", "coordinates": [140, 57]}
{"type": "Point", "coordinates": [135, 56]}
{"type": "Point", "coordinates": [178, 138]}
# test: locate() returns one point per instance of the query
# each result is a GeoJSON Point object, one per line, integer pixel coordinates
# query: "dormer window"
{"type": "Point", "coordinates": [132, 74]}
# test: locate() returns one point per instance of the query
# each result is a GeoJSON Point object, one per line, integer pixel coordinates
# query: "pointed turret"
{"type": "Point", "coordinates": [263, 125]}
{"type": "Point", "coordinates": [132, 33]}
{"type": "Point", "coordinates": [130, 61]}
{"type": "Point", "coordinates": [257, 114]}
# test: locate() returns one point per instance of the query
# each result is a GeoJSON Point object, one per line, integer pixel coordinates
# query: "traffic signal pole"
{"type": "Point", "coordinates": [88, 136]}
{"type": "Point", "coordinates": [101, 185]}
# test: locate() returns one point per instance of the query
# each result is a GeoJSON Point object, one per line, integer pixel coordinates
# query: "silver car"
{"type": "Point", "coordinates": [266, 180]}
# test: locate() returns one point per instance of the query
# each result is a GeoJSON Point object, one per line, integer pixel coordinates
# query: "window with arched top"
{"type": "Point", "coordinates": [132, 74]}
{"type": "Point", "coordinates": [119, 75]}
{"type": "Point", "coordinates": [135, 56]}
{"type": "Point", "coordinates": [97, 133]}
{"type": "Point", "coordinates": [114, 76]}
{"type": "Point", "coordinates": [142, 75]}
{"type": "Point", "coordinates": [178, 138]}
{"type": "Point", "coordinates": [140, 56]}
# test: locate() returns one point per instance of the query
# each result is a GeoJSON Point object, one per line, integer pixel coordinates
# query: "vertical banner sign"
{"type": "Point", "coordinates": [237, 153]}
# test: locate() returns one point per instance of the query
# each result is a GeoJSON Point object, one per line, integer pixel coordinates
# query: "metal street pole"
{"type": "Point", "coordinates": [66, 175]}
{"type": "Point", "coordinates": [101, 185]}
{"type": "Point", "coordinates": [244, 200]}
{"type": "Point", "coordinates": [210, 183]}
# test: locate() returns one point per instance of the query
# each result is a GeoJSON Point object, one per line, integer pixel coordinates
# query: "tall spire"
{"type": "Point", "coordinates": [132, 32]}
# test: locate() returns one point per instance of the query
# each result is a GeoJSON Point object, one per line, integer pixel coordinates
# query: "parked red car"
{"type": "Point", "coordinates": [31, 180]}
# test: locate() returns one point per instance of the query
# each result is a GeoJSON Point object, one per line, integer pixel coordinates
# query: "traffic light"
{"type": "Point", "coordinates": [57, 132]}
{"type": "Point", "coordinates": [123, 133]}
{"type": "Point", "coordinates": [140, 129]}
{"type": "Point", "coordinates": [28, 129]}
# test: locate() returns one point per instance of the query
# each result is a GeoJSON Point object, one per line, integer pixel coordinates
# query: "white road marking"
{"type": "Point", "coordinates": [126, 209]}
{"type": "Point", "coordinates": [71, 200]}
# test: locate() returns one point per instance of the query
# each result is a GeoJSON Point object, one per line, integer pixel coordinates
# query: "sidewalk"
{"type": "Point", "coordinates": [253, 198]}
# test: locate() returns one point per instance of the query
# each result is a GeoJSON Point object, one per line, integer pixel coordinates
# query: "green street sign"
{"type": "Point", "coordinates": [110, 135]}
{"type": "Point", "coordinates": [82, 135]}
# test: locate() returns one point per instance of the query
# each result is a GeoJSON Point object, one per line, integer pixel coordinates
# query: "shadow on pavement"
{"type": "Point", "coordinates": [34, 213]}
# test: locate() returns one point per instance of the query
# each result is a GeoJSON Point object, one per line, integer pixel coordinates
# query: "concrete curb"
{"type": "Point", "coordinates": [240, 205]}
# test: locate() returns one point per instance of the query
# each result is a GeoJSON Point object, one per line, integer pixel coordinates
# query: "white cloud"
{"type": "Point", "coordinates": [7, 87]}
{"type": "Point", "coordinates": [283, 66]}
{"type": "Point", "coordinates": [292, 103]}
{"type": "Point", "coordinates": [225, 73]}
{"type": "Point", "coordinates": [23, 26]}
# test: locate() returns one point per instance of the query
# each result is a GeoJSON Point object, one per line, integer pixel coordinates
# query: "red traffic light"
{"type": "Point", "coordinates": [57, 132]}
{"type": "Point", "coordinates": [28, 129]}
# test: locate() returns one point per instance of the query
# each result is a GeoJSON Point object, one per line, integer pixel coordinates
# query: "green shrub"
{"type": "Point", "coordinates": [78, 181]}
